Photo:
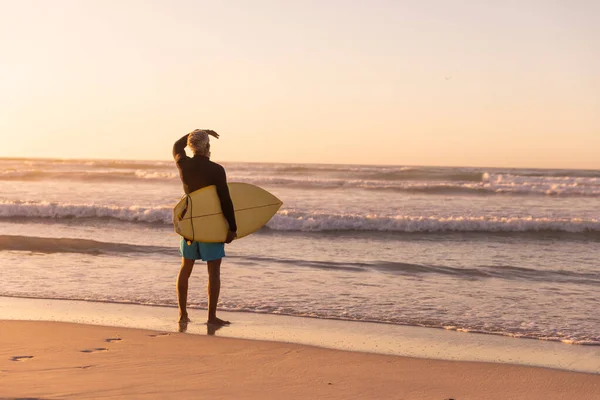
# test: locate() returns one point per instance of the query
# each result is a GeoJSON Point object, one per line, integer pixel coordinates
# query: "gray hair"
{"type": "Point", "coordinates": [198, 141]}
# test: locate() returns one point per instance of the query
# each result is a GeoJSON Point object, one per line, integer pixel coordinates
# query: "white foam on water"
{"type": "Point", "coordinates": [134, 213]}
{"type": "Point", "coordinates": [287, 220]}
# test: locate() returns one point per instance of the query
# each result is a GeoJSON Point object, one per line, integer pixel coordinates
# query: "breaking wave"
{"type": "Point", "coordinates": [287, 220]}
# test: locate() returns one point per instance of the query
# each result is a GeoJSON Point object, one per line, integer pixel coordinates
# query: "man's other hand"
{"type": "Point", "coordinates": [230, 236]}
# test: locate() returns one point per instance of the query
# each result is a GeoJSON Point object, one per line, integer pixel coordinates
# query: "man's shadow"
{"type": "Point", "coordinates": [211, 329]}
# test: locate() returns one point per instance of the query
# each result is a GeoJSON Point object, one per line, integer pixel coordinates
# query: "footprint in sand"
{"type": "Point", "coordinates": [20, 358]}
{"type": "Point", "coordinates": [160, 334]}
{"type": "Point", "coordinates": [97, 349]}
{"type": "Point", "coordinates": [112, 340]}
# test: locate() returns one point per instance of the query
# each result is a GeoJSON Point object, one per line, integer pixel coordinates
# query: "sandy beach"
{"type": "Point", "coordinates": [386, 199]}
{"type": "Point", "coordinates": [56, 360]}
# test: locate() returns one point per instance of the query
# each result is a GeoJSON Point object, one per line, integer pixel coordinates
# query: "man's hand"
{"type": "Point", "coordinates": [230, 236]}
{"type": "Point", "coordinates": [209, 131]}
{"type": "Point", "coordinates": [213, 133]}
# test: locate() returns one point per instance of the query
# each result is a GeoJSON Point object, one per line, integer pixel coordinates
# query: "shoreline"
{"type": "Point", "coordinates": [225, 311]}
{"type": "Point", "coordinates": [363, 337]}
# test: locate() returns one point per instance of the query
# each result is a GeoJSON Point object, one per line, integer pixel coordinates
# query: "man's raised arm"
{"type": "Point", "coordinates": [179, 147]}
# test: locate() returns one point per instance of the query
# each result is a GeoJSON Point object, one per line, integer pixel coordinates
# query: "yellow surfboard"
{"type": "Point", "coordinates": [198, 216]}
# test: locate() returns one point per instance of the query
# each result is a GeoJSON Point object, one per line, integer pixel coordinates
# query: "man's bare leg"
{"type": "Point", "coordinates": [182, 287]}
{"type": "Point", "coordinates": [214, 288]}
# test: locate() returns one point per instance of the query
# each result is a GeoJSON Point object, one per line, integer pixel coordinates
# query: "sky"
{"type": "Point", "coordinates": [430, 82]}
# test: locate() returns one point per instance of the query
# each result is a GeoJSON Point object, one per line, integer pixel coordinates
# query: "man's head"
{"type": "Point", "coordinates": [199, 142]}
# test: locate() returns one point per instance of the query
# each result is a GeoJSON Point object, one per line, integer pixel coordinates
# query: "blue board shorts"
{"type": "Point", "coordinates": [201, 251]}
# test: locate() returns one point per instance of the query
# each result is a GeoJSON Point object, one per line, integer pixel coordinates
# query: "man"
{"type": "Point", "coordinates": [195, 173]}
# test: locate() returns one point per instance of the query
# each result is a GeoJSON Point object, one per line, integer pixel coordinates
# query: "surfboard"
{"type": "Point", "coordinates": [198, 216]}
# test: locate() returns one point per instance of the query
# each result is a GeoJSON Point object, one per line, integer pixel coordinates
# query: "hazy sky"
{"type": "Point", "coordinates": [429, 82]}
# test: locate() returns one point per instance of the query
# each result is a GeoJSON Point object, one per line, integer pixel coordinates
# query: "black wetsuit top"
{"type": "Point", "coordinates": [198, 172]}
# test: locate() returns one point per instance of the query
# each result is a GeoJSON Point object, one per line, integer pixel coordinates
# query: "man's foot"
{"type": "Point", "coordinates": [217, 321]}
{"type": "Point", "coordinates": [184, 319]}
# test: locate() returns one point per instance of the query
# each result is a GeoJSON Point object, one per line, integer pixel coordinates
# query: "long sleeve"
{"type": "Point", "coordinates": [225, 199]}
{"type": "Point", "coordinates": [179, 148]}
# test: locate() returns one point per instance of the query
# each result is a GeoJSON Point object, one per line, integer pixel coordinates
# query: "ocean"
{"type": "Point", "coordinates": [509, 252]}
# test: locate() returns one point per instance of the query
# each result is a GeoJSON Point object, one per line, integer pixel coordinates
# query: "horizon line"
{"type": "Point", "coordinates": [293, 163]}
